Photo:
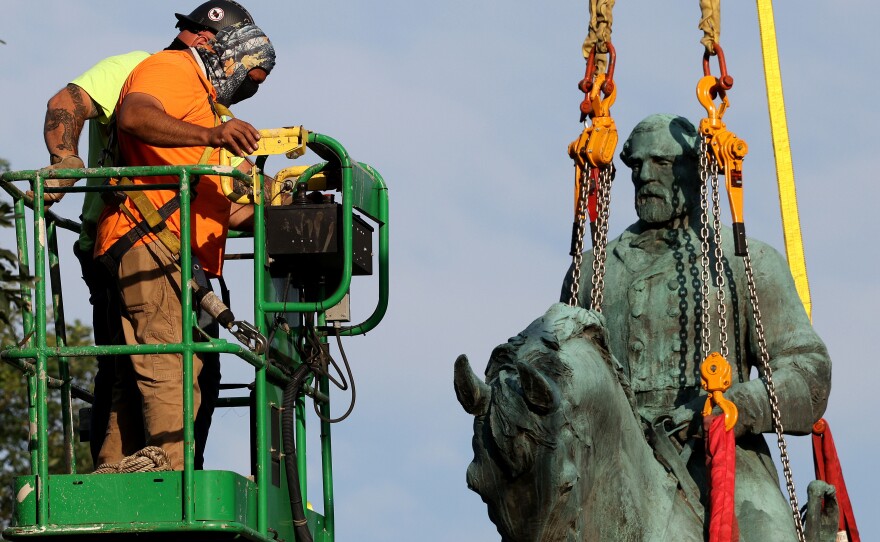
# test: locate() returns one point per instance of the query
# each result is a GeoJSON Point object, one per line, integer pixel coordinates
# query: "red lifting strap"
{"type": "Point", "coordinates": [721, 462]}
{"type": "Point", "coordinates": [828, 470]}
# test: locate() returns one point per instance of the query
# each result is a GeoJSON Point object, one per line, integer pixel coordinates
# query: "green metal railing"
{"type": "Point", "coordinates": [361, 188]}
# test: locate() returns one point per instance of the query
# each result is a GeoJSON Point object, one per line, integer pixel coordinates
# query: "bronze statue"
{"type": "Point", "coordinates": [537, 463]}
{"type": "Point", "coordinates": [559, 454]}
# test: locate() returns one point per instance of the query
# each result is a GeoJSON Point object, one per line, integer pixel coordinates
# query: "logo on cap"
{"type": "Point", "coordinates": [216, 14]}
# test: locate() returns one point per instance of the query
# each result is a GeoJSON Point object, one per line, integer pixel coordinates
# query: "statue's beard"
{"type": "Point", "coordinates": [657, 204]}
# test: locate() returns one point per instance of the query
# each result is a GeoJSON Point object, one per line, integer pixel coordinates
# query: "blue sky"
{"type": "Point", "coordinates": [466, 108]}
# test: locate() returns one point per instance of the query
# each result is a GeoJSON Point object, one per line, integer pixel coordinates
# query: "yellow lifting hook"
{"type": "Point", "coordinates": [715, 376]}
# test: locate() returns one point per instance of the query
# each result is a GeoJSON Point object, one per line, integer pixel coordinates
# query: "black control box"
{"type": "Point", "coordinates": [305, 242]}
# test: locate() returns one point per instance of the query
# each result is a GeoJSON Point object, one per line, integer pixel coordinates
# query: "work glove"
{"type": "Point", "coordinates": [68, 162]}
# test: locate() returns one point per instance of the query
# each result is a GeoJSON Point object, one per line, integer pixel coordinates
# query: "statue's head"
{"type": "Point", "coordinates": [533, 422]}
{"type": "Point", "coordinates": [662, 152]}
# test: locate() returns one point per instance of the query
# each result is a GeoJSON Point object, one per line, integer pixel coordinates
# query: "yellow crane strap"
{"type": "Point", "coordinates": [710, 23]}
{"type": "Point", "coordinates": [791, 226]}
{"type": "Point", "coordinates": [601, 20]}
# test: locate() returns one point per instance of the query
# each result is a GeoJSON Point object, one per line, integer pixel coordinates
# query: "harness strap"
{"type": "Point", "coordinates": [224, 291]}
{"type": "Point", "coordinates": [219, 111]}
{"type": "Point", "coordinates": [113, 256]}
{"type": "Point", "coordinates": [205, 155]}
{"type": "Point", "coordinates": [153, 219]}
{"type": "Point", "coordinates": [202, 296]}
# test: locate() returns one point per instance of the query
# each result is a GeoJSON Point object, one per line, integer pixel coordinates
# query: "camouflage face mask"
{"type": "Point", "coordinates": [232, 53]}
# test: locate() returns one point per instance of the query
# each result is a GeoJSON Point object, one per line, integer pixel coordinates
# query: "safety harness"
{"type": "Point", "coordinates": [154, 222]}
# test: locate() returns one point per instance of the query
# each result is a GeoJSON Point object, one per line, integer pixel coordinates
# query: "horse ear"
{"type": "Point", "coordinates": [540, 394]}
{"type": "Point", "coordinates": [472, 393]}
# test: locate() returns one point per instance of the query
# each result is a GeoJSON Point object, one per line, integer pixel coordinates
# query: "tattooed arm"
{"type": "Point", "coordinates": [66, 114]}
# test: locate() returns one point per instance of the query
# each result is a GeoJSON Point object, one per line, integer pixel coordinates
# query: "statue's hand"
{"type": "Point", "coordinates": [689, 417]}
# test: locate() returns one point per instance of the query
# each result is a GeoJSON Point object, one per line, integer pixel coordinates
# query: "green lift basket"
{"type": "Point", "coordinates": [316, 261]}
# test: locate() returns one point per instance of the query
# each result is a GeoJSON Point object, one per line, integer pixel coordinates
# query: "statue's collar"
{"type": "Point", "coordinates": [639, 246]}
{"type": "Point", "coordinates": [653, 239]}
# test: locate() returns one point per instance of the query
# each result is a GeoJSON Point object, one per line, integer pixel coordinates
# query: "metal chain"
{"type": "Point", "coordinates": [774, 400]}
{"type": "Point", "coordinates": [579, 242]}
{"type": "Point", "coordinates": [709, 175]}
{"type": "Point", "coordinates": [600, 238]}
{"type": "Point", "coordinates": [705, 167]}
{"type": "Point", "coordinates": [709, 172]}
{"type": "Point", "coordinates": [719, 264]}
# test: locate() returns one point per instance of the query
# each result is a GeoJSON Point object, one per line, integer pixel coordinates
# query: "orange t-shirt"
{"type": "Point", "coordinates": [177, 81]}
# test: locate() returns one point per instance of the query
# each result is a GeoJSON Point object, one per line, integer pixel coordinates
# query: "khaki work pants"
{"type": "Point", "coordinates": [149, 284]}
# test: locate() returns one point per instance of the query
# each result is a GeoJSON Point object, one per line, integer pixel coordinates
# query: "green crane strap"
{"type": "Point", "coordinates": [710, 23]}
{"type": "Point", "coordinates": [601, 20]}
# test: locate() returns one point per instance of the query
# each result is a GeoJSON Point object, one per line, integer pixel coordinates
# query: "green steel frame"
{"type": "Point", "coordinates": [207, 505]}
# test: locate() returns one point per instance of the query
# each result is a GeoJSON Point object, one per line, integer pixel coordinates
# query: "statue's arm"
{"type": "Point", "coordinates": [798, 357]}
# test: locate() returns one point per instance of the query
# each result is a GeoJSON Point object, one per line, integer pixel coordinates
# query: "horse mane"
{"type": "Point", "coordinates": [562, 323]}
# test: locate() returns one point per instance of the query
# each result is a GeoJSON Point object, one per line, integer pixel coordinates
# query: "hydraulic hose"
{"type": "Point", "coordinates": [291, 391]}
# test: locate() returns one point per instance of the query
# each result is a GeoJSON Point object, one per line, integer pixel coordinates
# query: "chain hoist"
{"type": "Point", "coordinates": [722, 151]}
{"type": "Point", "coordinates": [593, 152]}
{"type": "Point", "coordinates": [724, 147]}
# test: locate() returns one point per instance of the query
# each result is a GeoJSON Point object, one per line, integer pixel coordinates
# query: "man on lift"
{"type": "Point", "coordinates": [93, 96]}
{"type": "Point", "coordinates": [166, 115]}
